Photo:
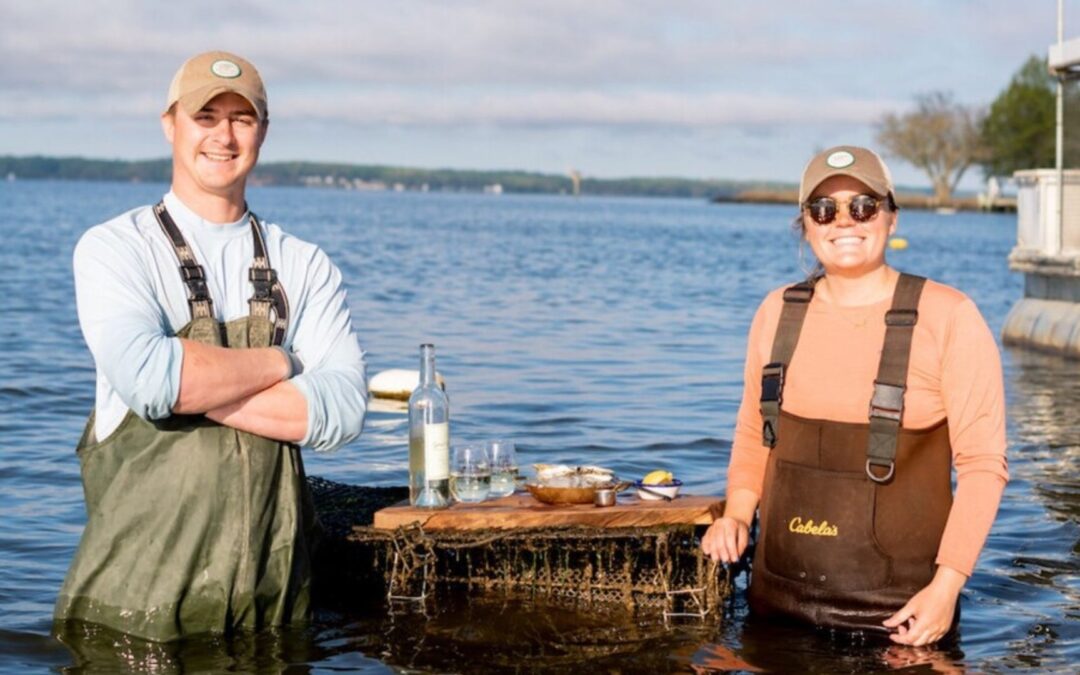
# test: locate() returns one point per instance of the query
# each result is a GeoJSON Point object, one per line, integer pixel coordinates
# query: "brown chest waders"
{"type": "Point", "coordinates": [852, 514]}
{"type": "Point", "coordinates": [192, 526]}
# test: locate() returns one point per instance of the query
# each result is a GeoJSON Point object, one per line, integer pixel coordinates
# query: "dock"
{"type": "Point", "coordinates": [1047, 252]}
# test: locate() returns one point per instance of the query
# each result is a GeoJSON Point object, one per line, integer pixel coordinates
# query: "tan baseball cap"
{"type": "Point", "coordinates": [203, 77]}
{"type": "Point", "coordinates": [861, 164]}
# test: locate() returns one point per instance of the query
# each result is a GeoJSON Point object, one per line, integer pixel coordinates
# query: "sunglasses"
{"type": "Point", "coordinates": [861, 208]}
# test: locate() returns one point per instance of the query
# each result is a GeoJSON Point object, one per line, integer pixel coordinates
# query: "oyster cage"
{"type": "Point", "coordinates": [654, 570]}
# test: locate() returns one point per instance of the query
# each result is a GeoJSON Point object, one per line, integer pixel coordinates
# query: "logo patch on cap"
{"type": "Point", "coordinates": [840, 159]}
{"type": "Point", "coordinates": [225, 68]}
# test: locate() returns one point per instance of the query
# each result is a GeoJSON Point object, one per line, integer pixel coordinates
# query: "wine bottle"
{"type": "Point", "coordinates": [429, 438]}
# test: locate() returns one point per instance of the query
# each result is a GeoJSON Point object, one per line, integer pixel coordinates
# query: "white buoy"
{"type": "Point", "coordinates": [397, 384]}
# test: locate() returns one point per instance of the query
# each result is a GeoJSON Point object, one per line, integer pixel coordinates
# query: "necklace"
{"type": "Point", "coordinates": [858, 320]}
{"type": "Point", "coordinates": [857, 317]}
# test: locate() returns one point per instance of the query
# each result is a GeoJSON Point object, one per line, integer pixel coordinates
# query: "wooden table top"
{"type": "Point", "coordinates": [521, 511]}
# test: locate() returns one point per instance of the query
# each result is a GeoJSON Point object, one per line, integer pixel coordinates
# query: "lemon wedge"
{"type": "Point", "coordinates": [658, 477]}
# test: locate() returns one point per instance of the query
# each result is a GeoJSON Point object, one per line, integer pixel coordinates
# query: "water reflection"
{"type": "Point", "coordinates": [714, 658]}
{"type": "Point", "coordinates": [1044, 398]}
{"type": "Point", "coordinates": [751, 645]}
{"type": "Point", "coordinates": [95, 649]}
{"type": "Point", "coordinates": [1044, 408]}
{"type": "Point", "coordinates": [513, 636]}
{"type": "Point", "coordinates": [1041, 510]}
{"type": "Point", "coordinates": [926, 659]}
{"type": "Point", "coordinates": [456, 634]}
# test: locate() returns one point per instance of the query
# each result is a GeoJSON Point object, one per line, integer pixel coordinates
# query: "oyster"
{"type": "Point", "coordinates": [564, 475]}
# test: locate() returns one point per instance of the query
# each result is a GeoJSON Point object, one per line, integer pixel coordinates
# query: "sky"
{"type": "Point", "coordinates": [696, 88]}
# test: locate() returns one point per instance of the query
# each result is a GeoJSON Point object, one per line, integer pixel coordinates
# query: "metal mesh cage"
{"type": "Point", "coordinates": [657, 570]}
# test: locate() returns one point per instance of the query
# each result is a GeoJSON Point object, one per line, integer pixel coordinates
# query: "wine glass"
{"type": "Point", "coordinates": [470, 473]}
{"type": "Point", "coordinates": [504, 467]}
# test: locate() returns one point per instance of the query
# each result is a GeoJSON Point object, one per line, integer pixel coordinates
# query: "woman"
{"type": "Point", "coordinates": [859, 527]}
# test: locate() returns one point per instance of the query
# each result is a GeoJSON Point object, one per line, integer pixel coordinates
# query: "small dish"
{"type": "Point", "coordinates": [658, 492]}
{"type": "Point", "coordinates": [605, 497]}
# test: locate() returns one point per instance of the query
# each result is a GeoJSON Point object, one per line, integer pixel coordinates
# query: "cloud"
{"type": "Point", "coordinates": [124, 45]}
{"type": "Point", "coordinates": [130, 45]}
{"type": "Point", "coordinates": [648, 63]}
{"type": "Point", "coordinates": [635, 109]}
{"type": "Point", "coordinates": [640, 108]}
{"type": "Point", "coordinates": [783, 74]}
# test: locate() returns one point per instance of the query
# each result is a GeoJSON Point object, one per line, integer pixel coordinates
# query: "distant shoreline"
{"type": "Point", "coordinates": [904, 199]}
{"type": "Point", "coordinates": [378, 178]}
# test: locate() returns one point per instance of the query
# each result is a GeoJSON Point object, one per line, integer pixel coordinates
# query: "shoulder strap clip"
{"type": "Point", "coordinates": [797, 299]}
{"type": "Point", "coordinates": [772, 382]}
{"type": "Point", "coordinates": [887, 401]}
{"type": "Point", "coordinates": [901, 317]}
{"type": "Point", "coordinates": [802, 292]}
{"type": "Point", "coordinates": [263, 279]}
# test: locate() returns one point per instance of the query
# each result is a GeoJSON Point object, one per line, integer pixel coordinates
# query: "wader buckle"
{"type": "Point", "coordinates": [201, 305]}
{"type": "Point", "coordinates": [263, 279]}
{"type": "Point", "coordinates": [192, 272]}
{"type": "Point", "coordinates": [901, 317]}
{"type": "Point", "coordinates": [799, 293]}
{"type": "Point", "coordinates": [772, 382]}
{"type": "Point", "coordinates": [195, 280]}
{"type": "Point", "coordinates": [772, 392]}
{"type": "Point", "coordinates": [888, 401]}
{"type": "Point", "coordinates": [883, 479]}
{"type": "Point", "coordinates": [768, 434]}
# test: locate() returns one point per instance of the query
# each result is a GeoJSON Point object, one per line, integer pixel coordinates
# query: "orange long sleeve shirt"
{"type": "Point", "coordinates": [954, 373]}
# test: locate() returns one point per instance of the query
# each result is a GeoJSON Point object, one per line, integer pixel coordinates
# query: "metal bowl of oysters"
{"type": "Point", "coordinates": [565, 484]}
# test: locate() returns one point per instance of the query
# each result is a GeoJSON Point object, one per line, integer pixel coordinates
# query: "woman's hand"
{"type": "Point", "coordinates": [928, 615]}
{"type": "Point", "coordinates": [726, 539]}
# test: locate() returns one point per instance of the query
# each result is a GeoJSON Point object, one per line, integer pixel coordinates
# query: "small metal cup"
{"type": "Point", "coordinates": [604, 497]}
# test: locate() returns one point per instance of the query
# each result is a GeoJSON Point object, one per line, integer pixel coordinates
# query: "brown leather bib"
{"type": "Point", "coordinates": [852, 514]}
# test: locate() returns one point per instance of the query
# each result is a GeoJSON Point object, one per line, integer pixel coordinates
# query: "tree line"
{"type": "Point", "coordinates": [379, 177]}
{"type": "Point", "coordinates": [939, 136]}
{"type": "Point", "coordinates": [944, 138]}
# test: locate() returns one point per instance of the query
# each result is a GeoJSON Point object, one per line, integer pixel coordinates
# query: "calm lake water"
{"type": "Point", "coordinates": [606, 331]}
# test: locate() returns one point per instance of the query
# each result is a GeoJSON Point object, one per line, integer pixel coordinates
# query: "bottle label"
{"type": "Point", "coordinates": [437, 451]}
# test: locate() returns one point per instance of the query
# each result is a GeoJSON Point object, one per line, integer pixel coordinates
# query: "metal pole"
{"type": "Point", "coordinates": [1059, 155]}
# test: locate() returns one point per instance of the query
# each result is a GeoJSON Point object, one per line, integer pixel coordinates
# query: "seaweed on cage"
{"type": "Point", "coordinates": [649, 570]}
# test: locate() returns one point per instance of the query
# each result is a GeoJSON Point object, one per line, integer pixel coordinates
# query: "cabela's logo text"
{"type": "Point", "coordinates": [822, 529]}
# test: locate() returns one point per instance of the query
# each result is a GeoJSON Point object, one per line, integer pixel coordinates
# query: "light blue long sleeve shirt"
{"type": "Point", "coordinates": [132, 302]}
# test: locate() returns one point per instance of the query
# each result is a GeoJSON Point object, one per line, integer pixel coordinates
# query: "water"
{"type": "Point", "coordinates": [470, 489]}
{"type": "Point", "coordinates": [503, 482]}
{"type": "Point", "coordinates": [601, 331]}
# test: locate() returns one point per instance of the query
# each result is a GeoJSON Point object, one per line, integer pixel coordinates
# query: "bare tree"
{"type": "Point", "coordinates": [939, 136]}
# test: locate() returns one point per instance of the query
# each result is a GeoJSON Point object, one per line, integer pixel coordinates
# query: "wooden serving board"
{"type": "Point", "coordinates": [521, 511]}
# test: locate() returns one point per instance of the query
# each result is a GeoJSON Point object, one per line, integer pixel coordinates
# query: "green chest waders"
{"type": "Point", "coordinates": [852, 514]}
{"type": "Point", "coordinates": [192, 526]}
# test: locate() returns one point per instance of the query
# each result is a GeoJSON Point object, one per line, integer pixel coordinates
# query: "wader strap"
{"type": "Point", "coordinates": [887, 403]}
{"type": "Point", "coordinates": [796, 301]}
{"type": "Point", "coordinates": [191, 271]}
{"type": "Point", "coordinates": [269, 292]}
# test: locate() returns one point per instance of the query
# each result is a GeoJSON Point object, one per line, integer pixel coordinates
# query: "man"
{"type": "Point", "coordinates": [221, 343]}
